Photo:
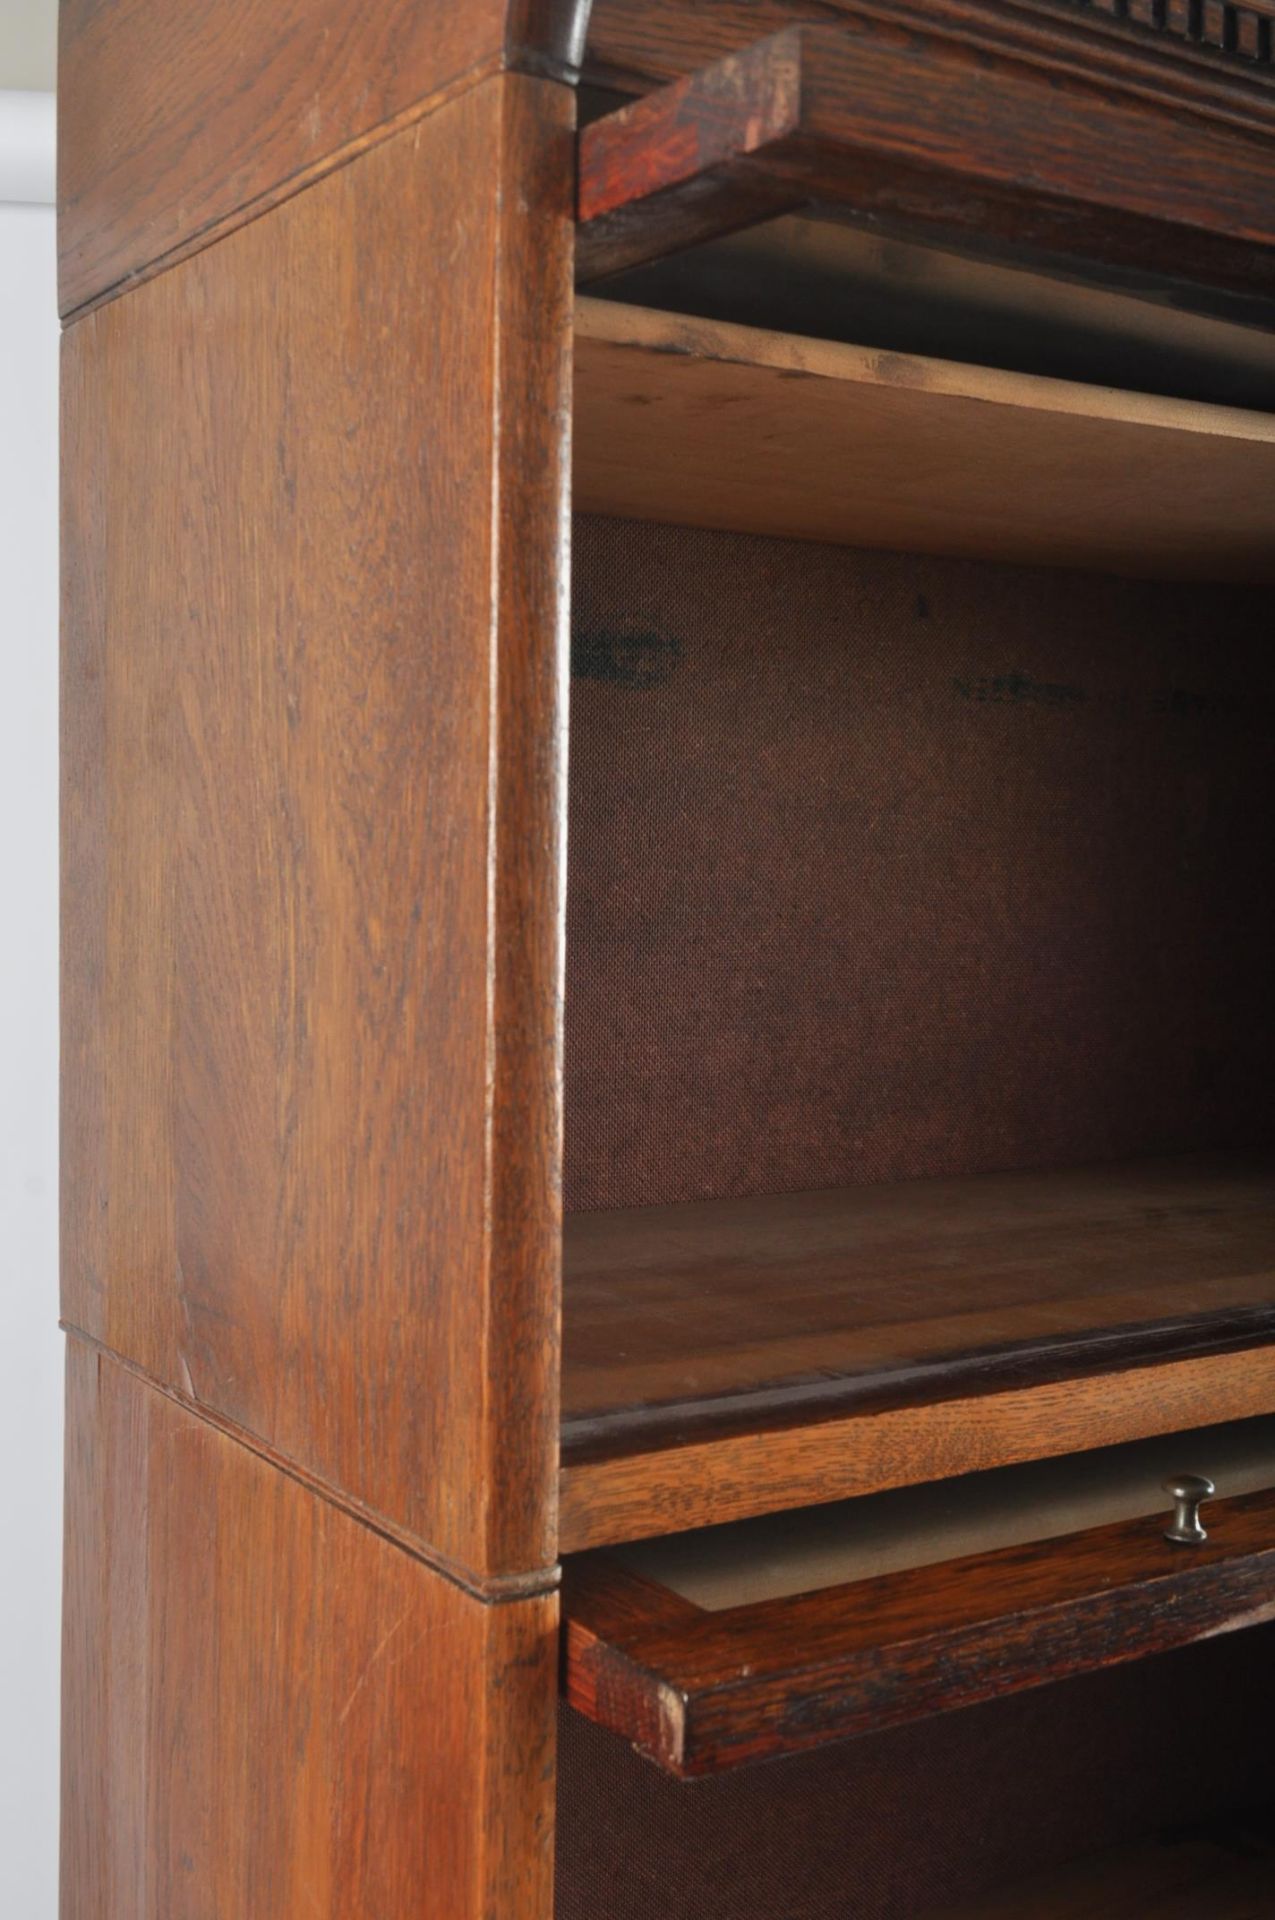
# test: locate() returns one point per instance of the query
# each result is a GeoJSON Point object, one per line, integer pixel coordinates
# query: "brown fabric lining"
{"type": "Point", "coordinates": [883, 866]}
{"type": "Point", "coordinates": [899, 1823]}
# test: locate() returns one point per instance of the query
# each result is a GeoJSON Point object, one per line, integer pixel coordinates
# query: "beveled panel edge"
{"type": "Point", "coordinates": [492, 1589]}
{"type": "Point", "coordinates": [1042, 1360]}
{"type": "Point", "coordinates": [702, 1483]}
{"type": "Point", "coordinates": [544, 39]}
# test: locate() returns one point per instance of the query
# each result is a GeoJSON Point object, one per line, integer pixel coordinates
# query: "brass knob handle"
{"type": "Point", "coordinates": [1188, 1490]}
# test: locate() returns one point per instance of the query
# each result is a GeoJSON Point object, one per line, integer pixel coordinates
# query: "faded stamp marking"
{"type": "Point", "coordinates": [1019, 689]}
{"type": "Point", "coordinates": [634, 660]}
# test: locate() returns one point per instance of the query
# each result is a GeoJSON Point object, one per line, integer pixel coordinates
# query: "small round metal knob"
{"type": "Point", "coordinates": [1188, 1490]}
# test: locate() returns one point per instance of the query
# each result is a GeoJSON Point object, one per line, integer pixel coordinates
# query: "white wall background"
{"type": "Point", "coordinates": [30, 1345]}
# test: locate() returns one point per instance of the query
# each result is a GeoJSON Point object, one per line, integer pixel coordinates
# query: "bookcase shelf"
{"type": "Point", "coordinates": [730, 1356]}
{"type": "Point", "coordinates": [710, 424]}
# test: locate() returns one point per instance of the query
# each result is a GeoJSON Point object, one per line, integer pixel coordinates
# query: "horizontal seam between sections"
{"type": "Point", "coordinates": [292, 184]}
{"type": "Point", "coordinates": [492, 1590]}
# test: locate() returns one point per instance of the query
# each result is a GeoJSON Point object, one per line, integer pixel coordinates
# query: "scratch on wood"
{"type": "Point", "coordinates": [374, 1659]}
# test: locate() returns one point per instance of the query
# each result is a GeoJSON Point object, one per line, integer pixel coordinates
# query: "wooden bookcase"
{"type": "Point", "coordinates": [667, 952]}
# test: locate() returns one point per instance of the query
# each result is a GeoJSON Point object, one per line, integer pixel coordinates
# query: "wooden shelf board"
{"type": "Point", "coordinates": [700, 1692]}
{"type": "Point", "coordinates": [709, 424]}
{"type": "Point", "coordinates": [718, 1314]}
{"type": "Point", "coordinates": [731, 1357]}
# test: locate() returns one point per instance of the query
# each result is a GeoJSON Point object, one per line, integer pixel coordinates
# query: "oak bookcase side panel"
{"type": "Point", "coordinates": [271, 1710]}
{"type": "Point", "coordinates": [178, 121]}
{"type": "Point", "coordinates": [315, 501]}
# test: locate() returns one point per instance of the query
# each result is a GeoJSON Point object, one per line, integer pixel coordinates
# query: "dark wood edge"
{"type": "Point", "coordinates": [608, 1613]}
{"type": "Point", "coordinates": [739, 107]}
{"type": "Point", "coordinates": [673, 169]}
{"type": "Point", "coordinates": [1082, 170]}
{"type": "Point", "coordinates": [548, 37]}
{"type": "Point", "coordinates": [691, 161]}
{"type": "Point", "coordinates": [701, 1692]}
{"type": "Point", "coordinates": [613, 1434]}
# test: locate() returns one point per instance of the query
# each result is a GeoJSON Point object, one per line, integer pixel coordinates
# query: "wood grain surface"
{"type": "Point", "coordinates": [314, 527]}
{"type": "Point", "coordinates": [727, 1314]}
{"type": "Point", "coordinates": [882, 127]}
{"type": "Point", "coordinates": [177, 122]}
{"type": "Point", "coordinates": [636, 43]}
{"type": "Point", "coordinates": [633, 1494]}
{"type": "Point", "coordinates": [783, 1554]}
{"type": "Point", "coordinates": [710, 424]}
{"type": "Point", "coordinates": [699, 1692]}
{"type": "Point", "coordinates": [270, 1711]}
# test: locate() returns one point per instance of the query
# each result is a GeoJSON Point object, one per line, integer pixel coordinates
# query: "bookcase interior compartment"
{"type": "Point", "coordinates": [883, 866]}
{"type": "Point", "coordinates": [888, 869]}
{"type": "Point", "coordinates": [920, 1818]}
